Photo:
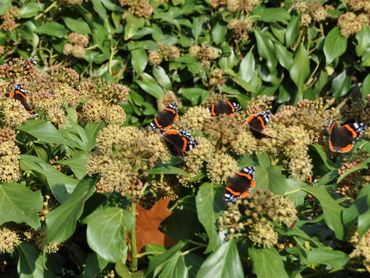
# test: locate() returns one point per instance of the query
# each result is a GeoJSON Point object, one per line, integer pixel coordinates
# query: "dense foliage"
{"type": "Point", "coordinates": [79, 166]}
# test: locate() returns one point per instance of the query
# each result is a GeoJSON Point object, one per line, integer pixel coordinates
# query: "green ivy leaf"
{"type": "Point", "coordinates": [133, 24]}
{"type": "Point", "coordinates": [267, 263]}
{"type": "Point", "coordinates": [61, 222]}
{"type": "Point", "coordinates": [162, 78]}
{"type": "Point", "coordinates": [157, 263]}
{"type": "Point", "coordinates": [271, 14]}
{"type": "Point", "coordinates": [52, 29]}
{"type": "Point", "coordinates": [20, 205]}
{"type": "Point", "coordinates": [292, 30]}
{"type": "Point", "coordinates": [106, 231]}
{"type": "Point", "coordinates": [335, 45]}
{"type": "Point", "coordinates": [30, 10]}
{"type": "Point", "coordinates": [365, 88]}
{"type": "Point", "coordinates": [45, 132]}
{"type": "Point", "coordinates": [341, 84]}
{"type": "Point", "coordinates": [219, 33]}
{"type": "Point", "coordinates": [266, 49]}
{"type": "Point", "coordinates": [195, 95]}
{"type": "Point", "coordinates": [139, 59]}
{"type": "Point", "coordinates": [77, 25]}
{"type": "Point", "coordinates": [32, 262]}
{"type": "Point", "coordinates": [60, 184]}
{"type": "Point", "coordinates": [331, 210]}
{"type": "Point", "coordinates": [300, 70]}
{"type": "Point", "coordinates": [210, 204]}
{"type": "Point", "coordinates": [174, 267]}
{"type": "Point", "coordinates": [78, 163]}
{"type": "Point", "coordinates": [247, 67]}
{"type": "Point", "coordinates": [327, 256]}
{"type": "Point", "coordinates": [223, 263]}
{"type": "Point", "coordinates": [150, 85]}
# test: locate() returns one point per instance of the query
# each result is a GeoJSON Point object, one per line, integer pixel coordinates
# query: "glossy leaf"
{"type": "Point", "coordinates": [210, 203]}
{"type": "Point", "coordinates": [61, 221]}
{"type": "Point", "coordinates": [223, 263]}
{"type": "Point", "coordinates": [20, 205]}
{"type": "Point", "coordinates": [32, 262]}
{"type": "Point", "coordinates": [267, 263]}
{"type": "Point", "coordinates": [341, 84]}
{"type": "Point", "coordinates": [106, 229]}
{"type": "Point", "coordinates": [271, 14]}
{"type": "Point", "coordinates": [52, 29]}
{"type": "Point", "coordinates": [335, 45]}
{"type": "Point", "coordinates": [292, 31]}
{"type": "Point", "coordinates": [150, 85]}
{"type": "Point", "coordinates": [77, 25]}
{"type": "Point", "coordinates": [327, 256]}
{"type": "Point", "coordinates": [60, 184]}
{"type": "Point", "coordinates": [332, 211]}
{"type": "Point", "coordinates": [247, 67]}
{"type": "Point", "coordinates": [300, 69]}
{"type": "Point", "coordinates": [139, 59]}
{"type": "Point", "coordinates": [78, 164]}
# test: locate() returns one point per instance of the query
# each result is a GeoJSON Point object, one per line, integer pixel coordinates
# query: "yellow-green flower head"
{"type": "Point", "coordinates": [194, 118]}
{"type": "Point", "coordinates": [242, 5]}
{"type": "Point", "coordinates": [63, 75]}
{"type": "Point", "coordinates": [362, 248]}
{"type": "Point", "coordinates": [12, 113]}
{"type": "Point", "coordinates": [220, 167]}
{"type": "Point", "coordinates": [18, 70]}
{"type": "Point", "coordinates": [241, 28]}
{"type": "Point", "coordinates": [40, 240]}
{"type": "Point", "coordinates": [282, 211]}
{"type": "Point", "coordinates": [57, 115]}
{"type": "Point", "coordinates": [195, 158]}
{"type": "Point", "coordinates": [262, 234]}
{"type": "Point", "coordinates": [9, 240]}
{"type": "Point", "coordinates": [9, 162]}
{"type": "Point", "coordinates": [95, 110]}
{"type": "Point", "coordinates": [168, 98]}
{"type": "Point", "coordinates": [7, 134]}
{"type": "Point", "coordinates": [244, 144]}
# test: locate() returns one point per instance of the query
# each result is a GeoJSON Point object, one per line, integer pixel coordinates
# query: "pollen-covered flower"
{"type": "Point", "coordinates": [155, 58]}
{"type": "Point", "coordinates": [78, 39]}
{"type": "Point", "coordinates": [220, 167]}
{"type": "Point", "coordinates": [217, 77]}
{"type": "Point", "coordinates": [262, 234]}
{"type": "Point", "coordinates": [96, 110]}
{"type": "Point", "coordinates": [242, 5]}
{"type": "Point", "coordinates": [141, 8]}
{"type": "Point", "coordinates": [349, 23]}
{"type": "Point", "coordinates": [241, 28]}
{"type": "Point", "coordinates": [122, 157]}
{"type": "Point", "coordinates": [244, 144]}
{"type": "Point", "coordinates": [205, 54]}
{"type": "Point", "coordinates": [7, 135]}
{"type": "Point", "coordinates": [9, 240]}
{"type": "Point", "coordinates": [256, 216]}
{"type": "Point", "coordinates": [362, 248]}
{"type": "Point", "coordinates": [194, 118]}
{"type": "Point", "coordinates": [222, 130]}
{"type": "Point", "coordinates": [12, 113]}
{"type": "Point", "coordinates": [8, 19]}
{"type": "Point", "coordinates": [9, 162]}
{"type": "Point", "coordinates": [166, 99]}
{"type": "Point", "coordinates": [19, 70]}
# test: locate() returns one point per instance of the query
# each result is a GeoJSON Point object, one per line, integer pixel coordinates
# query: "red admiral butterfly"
{"type": "Point", "coordinates": [342, 138]}
{"type": "Point", "coordinates": [224, 107]}
{"type": "Point", "coordinates": [240, 184]}
{"type": "Point", "coordinates": [257, 123]}
{"type": "Point", "coordinates": [179, 141]}
{"type": "Point", "coordinates": [20, 94]}
{"type": "Point", "coordinates": [165, 118]}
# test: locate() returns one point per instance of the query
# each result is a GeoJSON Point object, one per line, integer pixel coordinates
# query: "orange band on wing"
{"type": "Point", "coordinates": [172, 131]}
{"type": "Point", "coordinates": [260, 119]}
{"type": "Point", "coordinates": [235, 193]}
{"type": "Point", "coordinates": [249, 177]}
{"type": "Point", "coordinates": [231, 106]}
{"type": "Point", "coordinates": [157, 123]}
{"type": "Point", "coordinates": [213, 110]}
{"type": "Point", "coordinates": [349, 128]}
{"type": "Point", "coordinates": [170, 110]}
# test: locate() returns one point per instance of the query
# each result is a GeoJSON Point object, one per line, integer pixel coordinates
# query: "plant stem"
{"type": "Point", "coordinates": [54, 4]}
{"type": "Point", "coordinates": [134, 257]}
